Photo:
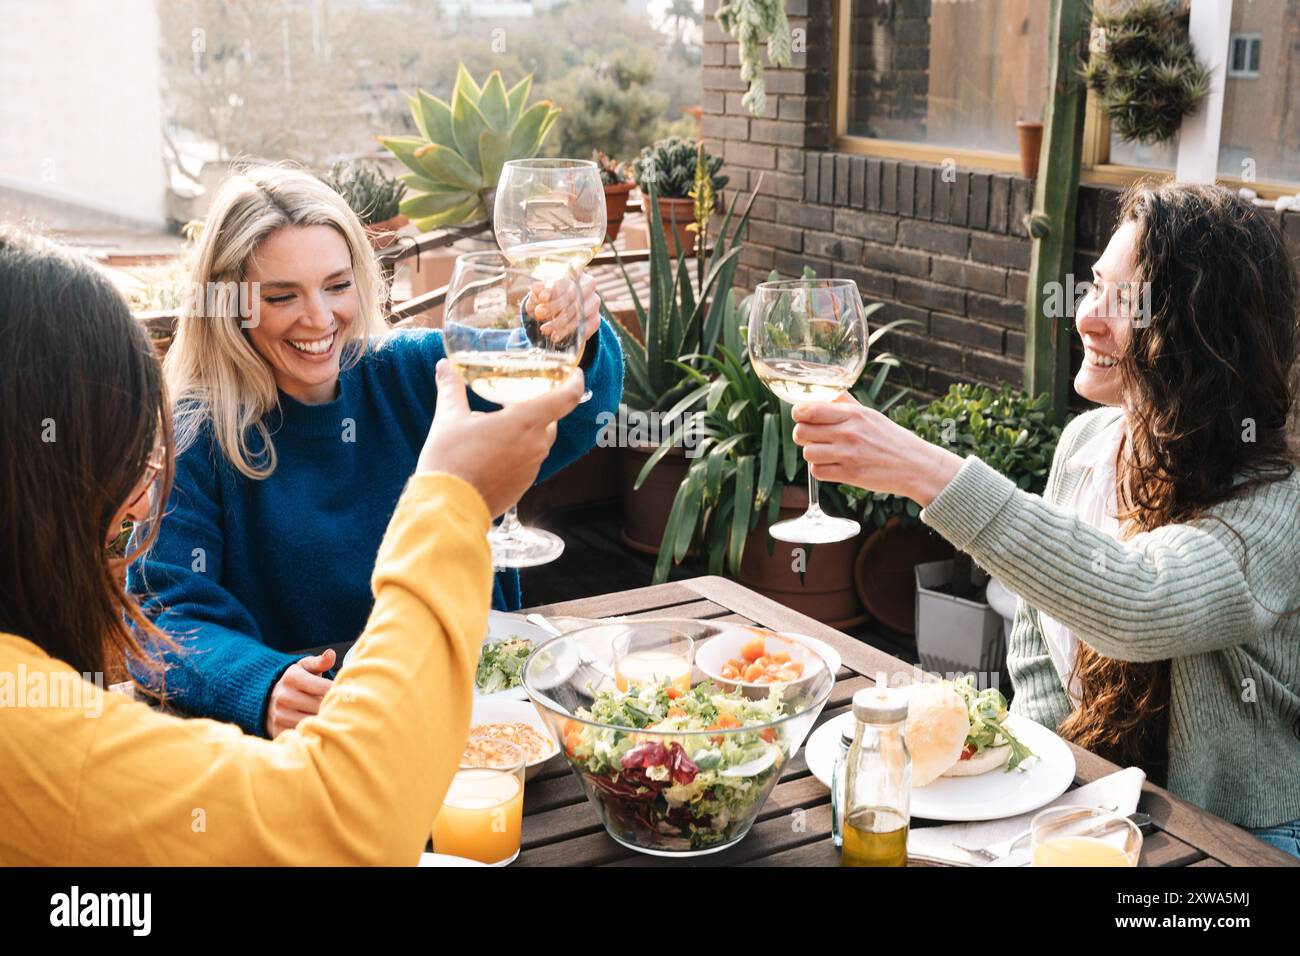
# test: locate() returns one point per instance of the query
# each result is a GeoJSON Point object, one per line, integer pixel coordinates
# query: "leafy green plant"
{"type": "Point", "coordinates": [744, 450]}
{"type": "Point", "coordinates": [1004, 427]}
{"type": "Point", "coordinates": [751, 22]}
{"type": "Point", "coordinates": [1007, 429]}
{"type": "Point", "coordinates": [1144, 71]}
{"type": "Point", "coordinates": [682, 318]}
{"type": "Point", "coordinates": [610, 102]}
{"type": "Point", "coordinates": [670, 166]}
{"type": "Point", "coordinates": [456, 161]}
{"type": "Point", "coordinates": [369, 191]}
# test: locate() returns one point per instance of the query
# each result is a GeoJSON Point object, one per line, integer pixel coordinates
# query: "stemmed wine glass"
{"type": "Point", "coordinates": [549, 216]}
{"type": "Point", "coordinates": [808, 343]}
{"type": "Point", "coordinates": [505, 356]}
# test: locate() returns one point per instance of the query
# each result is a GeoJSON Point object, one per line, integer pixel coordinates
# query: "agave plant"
{"type": "Point", "coordinates": [456, 160]}
{"type": "Point", "coordinates": [744, 453]}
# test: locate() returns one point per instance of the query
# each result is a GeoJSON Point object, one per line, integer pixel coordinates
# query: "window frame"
{"type": "Point", "coordinates": [1257, 39]}
{"type": "Point", "coordinates": [1095, 169]}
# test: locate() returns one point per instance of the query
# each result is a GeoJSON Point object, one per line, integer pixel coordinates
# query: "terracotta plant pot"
{"type": "Point", "coordinates": [825, 590]}
{"type": "Point", "coordinates": [1031, 144]}
{"type": "Point", "coordinates": [645, 511]}
{"type": "Point", "coordinates": [615, 207]}
{"type": "Point", "coordinates": [677, 215]}
{"type": "Point", "coordinates": [382, 234]}
{"type": "Point", "coordinates": [883, 572]}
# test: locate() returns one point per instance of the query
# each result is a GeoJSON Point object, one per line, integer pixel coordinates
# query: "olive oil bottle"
{"type": "Point", "coordinates": [877, 781]}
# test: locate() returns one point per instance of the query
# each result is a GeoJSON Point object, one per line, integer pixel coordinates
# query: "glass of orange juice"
{"type": "Point", "coordinates": [1084, 836]}
{"type": "Point", "coordinates": [648, 656]}
{"type": "Point", "coordinates": [483, 811]}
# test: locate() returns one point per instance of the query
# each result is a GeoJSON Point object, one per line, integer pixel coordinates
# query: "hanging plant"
{"type": "Point", "coordinates": [1143, 69]}
{"type": "Point", "coordinates": [751, 22]}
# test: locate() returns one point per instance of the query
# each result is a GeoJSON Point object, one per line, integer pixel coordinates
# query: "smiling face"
{"type": "Point", "coordinates": [1105, 318]}
{"type": "Point", "coordinates": [307, 300]}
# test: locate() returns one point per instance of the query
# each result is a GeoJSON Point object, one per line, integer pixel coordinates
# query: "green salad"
{"type": "Point", "coordinates": [501, 665]}
{"type": "Point", "coordinates": [987, 710]}
{"type": "Point", "coordinates": [683, 792]}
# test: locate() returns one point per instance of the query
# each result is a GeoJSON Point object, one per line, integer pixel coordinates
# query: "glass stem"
{"type": "Point", "coordinates": [814, 506]}
{"type": "Point", "coordinates": [510, 521]}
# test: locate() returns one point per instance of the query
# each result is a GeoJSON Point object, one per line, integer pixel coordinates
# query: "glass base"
{"type": "Point", "coordinates": [815, 528]}
{"type": "Point", "coordinates": [524, 547]}
{"type": "Point", "coordinates": [677, 854]}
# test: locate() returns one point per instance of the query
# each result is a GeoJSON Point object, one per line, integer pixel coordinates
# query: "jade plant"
{"type": "Point", "coordinates": [670, 165]}
{"type": "Point", "coordinates": [456, 160]}
{"type": "Point", "coordinates": [1143, 69]}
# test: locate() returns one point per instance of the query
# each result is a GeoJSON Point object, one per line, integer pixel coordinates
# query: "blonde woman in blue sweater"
{"type": "Point", "coordinates": [296, 427]}
{"type": "Point", "coordinates": [1159, 574]}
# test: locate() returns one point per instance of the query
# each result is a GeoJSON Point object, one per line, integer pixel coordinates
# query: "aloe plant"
{"type": "Point", "coordinates": [744, 453]}
{"type": "Point", "coordinates": [456, 160]}
{"type": "Point", "coordinates": [681, 317]}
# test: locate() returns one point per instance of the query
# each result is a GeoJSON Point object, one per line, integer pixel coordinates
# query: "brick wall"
{"type": "Point", "coordinates": [948, 252]}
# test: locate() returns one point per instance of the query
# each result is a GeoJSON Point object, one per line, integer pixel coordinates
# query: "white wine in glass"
{"type": "Point", "coordinates": [501, 351]}
{"type": "Point", "coordinates": [549, 217]}
{"type": "Point", "coordinates": [808, 343]}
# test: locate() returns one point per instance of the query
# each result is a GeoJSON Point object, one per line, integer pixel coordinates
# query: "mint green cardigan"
{"type": "Point", "coordinates": [1180, 593]}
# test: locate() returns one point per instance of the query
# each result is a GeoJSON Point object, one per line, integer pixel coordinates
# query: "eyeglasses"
{"type": "Point", "coordinates": [153, 468]}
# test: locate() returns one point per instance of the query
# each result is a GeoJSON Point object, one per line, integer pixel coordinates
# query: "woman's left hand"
{"type": "Point", "coordinates": [553, 305]}
{"type": "Point", "coordinates": [846, 442]}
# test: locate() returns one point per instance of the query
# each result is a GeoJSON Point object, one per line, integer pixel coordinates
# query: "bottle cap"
{"type": "Point", "coordinates": [879, 705]}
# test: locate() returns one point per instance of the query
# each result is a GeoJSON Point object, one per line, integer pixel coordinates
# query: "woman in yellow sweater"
{"type": "Point", "coordinates": [90, 777]}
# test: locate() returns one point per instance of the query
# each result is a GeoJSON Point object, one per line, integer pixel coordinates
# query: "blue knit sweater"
{"type": "Point", "coordinates": [244, 573]}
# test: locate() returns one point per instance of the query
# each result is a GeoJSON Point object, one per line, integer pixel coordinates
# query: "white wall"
{"type": "Point", "coordinates": [80, 104]}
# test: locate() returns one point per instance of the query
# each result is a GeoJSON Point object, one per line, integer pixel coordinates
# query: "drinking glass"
{"type": "Point", "coordinates": [1084, 836]}
{"type": "Point", "coordinates": [808, 343]}
{"type": "Point", "coordinates": [505, 355]}
{"type": "Point", "coordinates": [482, 815]}
{"type": "Point", "coordinates": [650, 655]}
{"type": "Point", "coordinates": [549, 216]}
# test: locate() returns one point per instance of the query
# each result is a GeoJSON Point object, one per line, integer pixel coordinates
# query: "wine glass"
{"type": "Point", "coordinates": [505, 355]}
{"type": "Point", "coordinates": [549, 216]}
{"type": "Point", "coordinates": [808, 343]}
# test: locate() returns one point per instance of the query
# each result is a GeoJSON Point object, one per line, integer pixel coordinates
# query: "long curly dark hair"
{"type": "Point", "coordinates": [1214, 353]}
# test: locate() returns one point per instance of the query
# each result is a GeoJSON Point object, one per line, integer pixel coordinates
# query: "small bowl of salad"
{"type": "Point", "coordinates": [670, 772]}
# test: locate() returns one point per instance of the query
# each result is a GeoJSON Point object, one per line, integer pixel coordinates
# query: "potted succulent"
{"type": "Point", "coordinates": [617, 179]}
{"type": "Point", "coordinates": [747, 473]}
{"type": "Point", "coordinates": [373, 195]}
{"type": "Point", "coordinates": [681, 317]}
{"type": "Point", "coordinates": [670, 166]}
{"type": "Point", "coordinates": [956, 629]}
{"type": "Point", "coordinates": [456, 160]}
{"type": "Point", "coordinates": [1143, 69]}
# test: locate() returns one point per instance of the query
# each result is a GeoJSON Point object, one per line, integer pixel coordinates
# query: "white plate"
{"type": "Point", "coordinates": [444, 859]}
{"type": "Point", "coordinates": [501, 626]}
{"type": "Point", "coordinates": [990, 796]}
{"type": "Point", "coordinates": [492, 709]}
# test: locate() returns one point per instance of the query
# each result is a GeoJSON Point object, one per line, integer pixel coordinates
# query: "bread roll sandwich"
{"type": "Point", "coordinates": [954, 730]}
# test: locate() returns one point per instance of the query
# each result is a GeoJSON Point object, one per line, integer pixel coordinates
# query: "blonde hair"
{"type": "Point", "coordinates": [214, 374]}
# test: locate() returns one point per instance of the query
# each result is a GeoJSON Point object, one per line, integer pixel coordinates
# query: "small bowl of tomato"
{"type": "Point", "coordinates": [755, 660]}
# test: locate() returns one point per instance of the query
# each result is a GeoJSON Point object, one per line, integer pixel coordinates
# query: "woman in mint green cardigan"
{"type": "Point", "coordinates": [1159, 573]}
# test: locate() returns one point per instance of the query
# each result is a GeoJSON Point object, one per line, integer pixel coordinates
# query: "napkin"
{"type": "Point", "coordinates": [1120, 790]}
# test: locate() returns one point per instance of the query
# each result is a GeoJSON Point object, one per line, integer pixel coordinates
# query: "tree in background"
{"type": "Point", "coordinates": [315, 80]}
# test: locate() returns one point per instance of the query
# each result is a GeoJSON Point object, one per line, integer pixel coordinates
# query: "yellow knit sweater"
{"type": "Point", "coordinates": [105, 780]}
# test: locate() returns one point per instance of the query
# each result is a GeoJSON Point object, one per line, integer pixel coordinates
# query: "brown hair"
{"type": "Point", "coordinates": [1216, 348]}
{"type": "Point", "coordinates": [82, 409]}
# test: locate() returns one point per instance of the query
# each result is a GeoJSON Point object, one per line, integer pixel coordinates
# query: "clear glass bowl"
{"type": "Point", "coordinates": [668, 792]}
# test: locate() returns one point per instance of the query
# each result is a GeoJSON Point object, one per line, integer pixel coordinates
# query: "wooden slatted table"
{"type": "Point", "coordinates": [561, 828]}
